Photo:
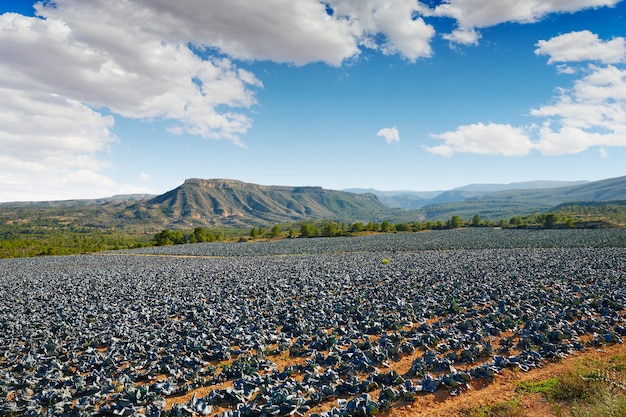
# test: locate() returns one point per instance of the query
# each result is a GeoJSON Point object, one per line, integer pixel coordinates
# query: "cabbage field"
{"type": "Point", "coordinates": [327, 326]}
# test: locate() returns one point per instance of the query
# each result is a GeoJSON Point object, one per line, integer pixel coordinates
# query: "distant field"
{"type": "Point", "coordinates": [338, 326]}
{"type": "Point", "coordinates": [470, 238]}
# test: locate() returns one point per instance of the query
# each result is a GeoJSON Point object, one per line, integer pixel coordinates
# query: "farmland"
{"type": "Point", "coordinates": [338, 326]}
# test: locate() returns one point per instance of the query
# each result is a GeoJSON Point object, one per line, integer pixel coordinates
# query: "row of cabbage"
{"type": "Point", "coordinates": [131, 335]}
{"type": "Point", "coordinates": [470, 238]}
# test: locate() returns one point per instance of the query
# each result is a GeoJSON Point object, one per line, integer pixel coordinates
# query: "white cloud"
{"type": "Point", "coordinates": [404, 32]}
{"type": "Point", "coordinates": [597, 101]}
{"type": "Point", "coordinates": [463, 36]}
{"type": "Point", "coordinates": [49, 148]}
{"type": "Point", "coordinates": [476, 14]}
{"type": "Point", "coordinates": [590, 114]}
{"type": "Point", "coordinates": [39, 127]}
{"type": "Point", "coordinates": [489, 139]}
{"type": "Point", "coordinates": [278, 30]}
{"type": "Point", "coordinates": [69, 70]}
{"type": "Point", "coordinates": [582, 46]}
{"type": "Point", "coordinates": [391, 134]}
{"type": "Point", "coordinates": [282, 31]}
{"type": "Point", "coordinates": [144, 177]}
{"type": "Point", "coordinates": [565, 69]}
{"type": "Point", "coordinates": [567, 140]}
{"type": "Point", "coordinates": [152, 79]}
{"type": "Point", "coordinates": [170, 62]}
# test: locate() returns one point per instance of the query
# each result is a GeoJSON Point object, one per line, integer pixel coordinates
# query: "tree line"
{"type": "Point", "coordinates": [16, 241]}
{"type": "Point", "coordinates": [330, 228]}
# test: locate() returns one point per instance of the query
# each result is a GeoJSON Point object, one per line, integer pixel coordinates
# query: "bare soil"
{"type": "Point", "coordinates": [502, 389]}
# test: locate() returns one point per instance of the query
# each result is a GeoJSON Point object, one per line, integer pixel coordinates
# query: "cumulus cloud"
{"type": "Point", "coordinates": [171, 62]}
{"type": "Point", "coordinates": [67, 72]}
{"type": "Point", "coordinates": [49, 148]}
{"type": "Point", "coordinates": [391, 134]}
{"type": "Point", "coordinates": [592, 113]}
{"type": "Point", "coordinates": [153, 79]}
{"type": "Point", "coordinates": [281, 31]}
{"type": "Point", "coordinates": [489, 139]}
{"type": "Point", "coordinates": [404, 32]}
{"type": "Point", "coordinates": [476, 14]}
{"type": "Point", "coordinates": [582, 46]}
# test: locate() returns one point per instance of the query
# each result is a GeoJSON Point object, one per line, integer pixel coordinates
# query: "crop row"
{"type": "Point", "coordinates": [470, 238]}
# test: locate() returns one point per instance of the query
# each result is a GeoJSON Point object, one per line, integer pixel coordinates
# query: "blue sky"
{"type": "Point", "coordinates": [104, 98]}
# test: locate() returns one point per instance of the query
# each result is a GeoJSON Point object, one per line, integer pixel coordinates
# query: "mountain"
{"type": "Point", "coordinates": [603, 190]}
{"type": "Point", "coordinates": [222, 202]}
{"type": "Point", "coordinates": [410, 200]}
{"type": "Point", "coordinates": [508, 203]}
{"type": "Point", "coordinates": [121, 198]}
{"type": "Point", "coordinates": [229, 203]}
{"type": "Point", "coordinates": [526, 185]}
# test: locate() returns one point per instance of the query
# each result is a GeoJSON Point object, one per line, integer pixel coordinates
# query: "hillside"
{"type": "Point", "coordinates": [219, 202]}
{"type": "Point", "coordinates": [198, 202]}
{"type": "Point", "coordinates": [504, 204]}
{"type": "Point", "coordinates": [411, 200]}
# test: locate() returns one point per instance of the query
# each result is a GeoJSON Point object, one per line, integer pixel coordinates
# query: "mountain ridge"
{"type": "Point", "coordinates": [409, 200]}
{"type": "Point", "coordinates": [216, 202]}
{"type": "Point", "coordinates": [233, 203]}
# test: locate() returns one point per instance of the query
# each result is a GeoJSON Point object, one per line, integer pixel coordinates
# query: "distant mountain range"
{"type": "Point", "coordinates": [230, 203]}
{"type": "Point", "coordinates": [410, 200]}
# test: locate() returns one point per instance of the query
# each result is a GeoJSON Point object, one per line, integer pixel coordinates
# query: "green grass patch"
{"type": "Point", "coordinates": [576, 386]}
{"type": "Point", "coordinates": [618, 363]}
{"type": "Point", "coordinates": [537, 387]}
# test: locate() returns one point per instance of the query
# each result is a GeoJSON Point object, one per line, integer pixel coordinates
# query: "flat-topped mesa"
{"type": "Point", "coordinates": [216, 183]}
{"type": "Point", "coordinates": [226, 183]}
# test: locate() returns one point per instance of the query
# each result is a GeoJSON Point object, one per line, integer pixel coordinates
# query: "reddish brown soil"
{"type": "Point", "coordinates": [482, 393]}
{"type": "Point", "coordinates": [501, 389]}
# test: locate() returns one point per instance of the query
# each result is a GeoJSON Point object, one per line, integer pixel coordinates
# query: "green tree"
{"type": "Point", "coordinates": [357, 227]}
{"type": "Point", "coordinates": [456, 222]}
{"type": "Point", "coordinates": [417, 226]}
{"type": "Point", "coordinates": [387, 227]}
{"type": "Point", "coordinates": [329, 229]}
{"type": "Point", "coordinates": [200, 234]}
{"type": "Point", "coordinates": [372, 227]}
{"type": "Point", "coordinates": [306, 230]}
{"type": "Point", "coordinates": [549, 221]}
{"type": "Point", "coordinates": [517, 221]}
{"type": "Point", "coordinates": [403, 227]}
{"type": "Point", "coordinates": [254, 233]}
{"type": "Point", "coordinates": [275, 232]}
{"type": "Point", "coordinates": [477, 221]}
{"type": "Point", "coordinates": [169, 237]}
